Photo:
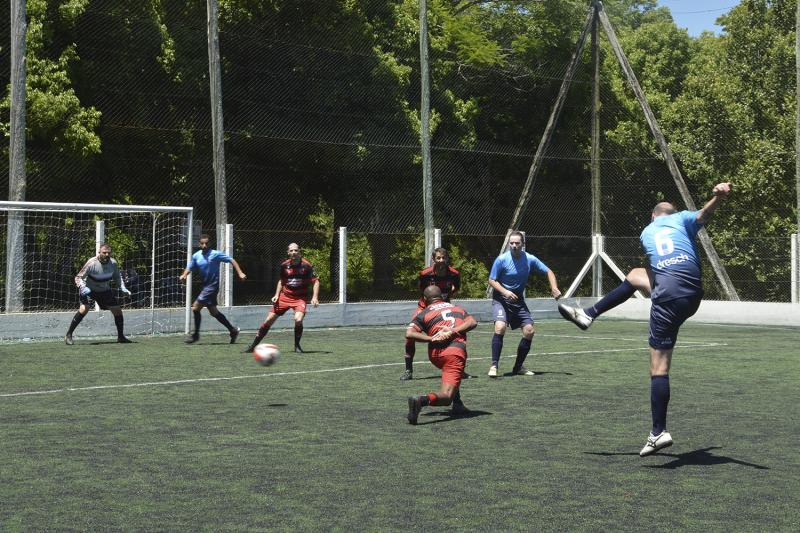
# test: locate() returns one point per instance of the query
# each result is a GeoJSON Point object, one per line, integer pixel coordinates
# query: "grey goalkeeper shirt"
{"type": "Point", "coordinates": [98, 276]}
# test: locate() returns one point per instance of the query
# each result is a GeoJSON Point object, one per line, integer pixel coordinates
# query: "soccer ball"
{"type": "Point", "coordinates": [266, 354]}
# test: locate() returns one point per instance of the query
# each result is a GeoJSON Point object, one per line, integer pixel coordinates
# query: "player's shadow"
{"type": "Point", "coordinates": [701, 457]}
{"type": "Point", "coordinates": [277, 404]}
{"type": "Point", "coordinates": [310, 352]}
{"type": "Point", "coordinates": [447, 416]}
{"type": "Point", "coordinates": [100, 343]}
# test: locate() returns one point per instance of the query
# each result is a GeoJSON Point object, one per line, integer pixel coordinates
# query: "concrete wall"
{"type": "Point", "coordinates": [54, 325]}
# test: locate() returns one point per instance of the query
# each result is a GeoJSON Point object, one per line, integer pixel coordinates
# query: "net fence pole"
{"type": "Point", "coordinates": [217, 125]}
{"type": "Point", "coordinates": [99, 238]}
{"type": "Point", "coordinates": [342, 265]}
{"type": "Point", "coordinates": [187, 301]}
{"type": "Point", "coordinates": [17, 182]}
{"type": "Point", "coordinates": [153, 276]}
{"type": "Point", "coordinates": [795, 268]}
{"type": "Point", "coordinates": [597, 270]}
{"type": "Point", "coordinates": [437, 238]}
{"type": "Point", "coordinates": [425, 125]}
{"type": "Point", "coordinates": [227, 273]}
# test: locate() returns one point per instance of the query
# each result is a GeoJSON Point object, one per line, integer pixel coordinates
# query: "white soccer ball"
{"type": "Point", "coordinates": [266, 354]}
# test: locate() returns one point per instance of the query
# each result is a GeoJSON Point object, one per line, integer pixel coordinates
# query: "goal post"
{"type": "Point", "coordinates": [43, 246]}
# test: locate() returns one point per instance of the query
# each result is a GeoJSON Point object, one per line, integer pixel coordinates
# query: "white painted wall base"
{"type": "Point", "coordinates": [54, 325]}
{"type": "Point", "coordinates": [721, 312]}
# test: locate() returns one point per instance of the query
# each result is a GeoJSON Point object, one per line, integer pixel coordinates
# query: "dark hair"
{"type": "Point", "coordinates": [104, 245]}
{"type": "Point", "coordinates": [204, 236]}
{"type": "Point", "coordinates": [442, 251]}
{"type": "Point", "coordinates": [518, 234]}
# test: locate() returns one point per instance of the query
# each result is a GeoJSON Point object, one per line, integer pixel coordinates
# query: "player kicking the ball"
{"type": "Point", "coordinates": [444, 327]}
{"type": "Point", "coordinates": [296, 276]}
{"type": "Point", "coordinates": [94, 285]}
{"type": "Point", "coordinates": [677, 289]}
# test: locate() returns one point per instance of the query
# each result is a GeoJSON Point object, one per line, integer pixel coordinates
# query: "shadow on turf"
{"type": "Point", "coordinates": [701, 457]}
{"type": "Point", "coordinates": [445, 416]}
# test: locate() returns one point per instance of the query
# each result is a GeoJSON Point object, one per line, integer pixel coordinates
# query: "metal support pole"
{"type": "Point", "coordinates": [598, 248]}
{"type": "Point", "coordinates": [17, 182]}
{"type": "Point", "coordinates": [99, 238]}
{"type": "Point", "coordinates": [225, 245]}
{"type": "Point", "coordinates": [437, 238]}
{"type": "Point", "coordinates": [187, 302]}
{"type": "Point", "coordinates": [342, 265]}
{"type": "Point", "coordinates": [425, 129]}
{"type": "Point", "coordinates": [597, 239]}
{"type": "Point", "coordinates": [796, 268]}
{"type": "Point", "coordinates": [153, 276]}
{"type": "Point", "coordinates": [217, 126]}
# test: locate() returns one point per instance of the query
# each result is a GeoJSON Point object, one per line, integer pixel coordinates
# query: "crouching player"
{"type": "Point", "coordinates": [444, 327]}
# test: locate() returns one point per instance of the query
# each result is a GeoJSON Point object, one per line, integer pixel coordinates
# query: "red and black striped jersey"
{"type": "Point", "coordinates": [439, 315]}
{"type": "Point", "coordinates": [296, 279]}
{"type": "Point", "coordinates": [449, 283]}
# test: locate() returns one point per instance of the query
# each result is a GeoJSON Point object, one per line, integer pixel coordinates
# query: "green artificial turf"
{"type": "Point", "coordinates": [163, 436]}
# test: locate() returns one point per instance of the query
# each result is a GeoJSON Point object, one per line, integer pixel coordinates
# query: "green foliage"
{"type": "Point", "coordinates": [319, 252]}
{"type": "Point", "coordinates": [406, 258]}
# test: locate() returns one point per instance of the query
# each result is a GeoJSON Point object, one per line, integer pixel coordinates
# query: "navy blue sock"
{"type": "Point", "coordinates": [497, 347]}
{"type": "Point", "coordinates": [222, 319]}
{"type": "Point", "coordinates": [119, 321]}
{"type": "Point", "coordinates": [659, 399]}
{"type": "Point", "coordinates": [522, 352]}
{"type": "Point", "coordinates": [197, 320]}
{"type": "Point", "coordinates": [621, 293]}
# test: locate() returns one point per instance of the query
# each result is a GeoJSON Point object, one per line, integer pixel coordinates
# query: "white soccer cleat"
{"type": "Point", "coordinates": [492, 371]}
{"type": "Point", "coordinates": [525, 372]}
{"type": "Point", "coordinates": [655, 443]}
{"type": "Point", "coordinates": [575, 315]}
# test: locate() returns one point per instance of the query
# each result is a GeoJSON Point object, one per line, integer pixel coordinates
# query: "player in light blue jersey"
{"type": "Point", "coordinates": [508, 278]}
{"type": "Point", "coordinates": [674, 279]}
{"type": "Point", "coordinates": [207, 261]}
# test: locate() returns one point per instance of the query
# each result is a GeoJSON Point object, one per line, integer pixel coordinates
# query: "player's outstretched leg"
{"type": "Point", "coordinates": [575, 315]}
{"type": "Point", "coordinates": [409, 361]}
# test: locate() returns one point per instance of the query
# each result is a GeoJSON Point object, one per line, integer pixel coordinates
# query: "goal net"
{"type": "Point", "coordinates": [44, 245]}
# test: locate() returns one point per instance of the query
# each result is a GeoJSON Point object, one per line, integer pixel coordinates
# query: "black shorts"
{"type": "Point", "coordinates": [667, 317]}
{"type": "Point", "coordinates": [105, 299]}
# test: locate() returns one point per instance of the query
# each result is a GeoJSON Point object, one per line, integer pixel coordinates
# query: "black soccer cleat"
{"type": "Point", "coordinates": [414, 407]}
{"type": "Point", "coordinates": [459, 409]}
{"type": "Point", "coordinates": [407, 375]}
{"type": "Point", "coordinates": [249, 349]}
{"type": "Point", "coordinates": [235, 335]}
{"type": "Point", "coordinates": [124, 340]}
{"type": "Point", "coordinates": [191, 339]}
{"type": "Point", "coordinates": [68, 340]}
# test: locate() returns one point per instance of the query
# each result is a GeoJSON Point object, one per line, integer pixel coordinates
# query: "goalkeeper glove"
{"type": "Point", "coordinates": [85, 291]}
{"type": "Point", "coordinates": [125, 291]}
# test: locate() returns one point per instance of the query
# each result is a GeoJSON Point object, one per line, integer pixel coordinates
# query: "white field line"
{"type": "Point", "coordinates": [301, 372]}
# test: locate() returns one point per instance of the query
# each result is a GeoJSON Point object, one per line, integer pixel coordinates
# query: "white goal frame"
{"type": "Point", "coordinates": [15, 243]}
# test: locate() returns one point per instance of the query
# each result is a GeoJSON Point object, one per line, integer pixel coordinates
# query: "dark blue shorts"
{"type": "Point", "coordinates": [667, 317]}
{"type": "Point", "coordinates": [208, 295]}
{"type": "Point", "coordinates": [105, 299]}
{"type": "Point", "coordinates": [515, 314]}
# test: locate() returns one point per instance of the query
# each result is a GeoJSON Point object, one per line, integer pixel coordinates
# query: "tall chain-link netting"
{"type": "Point", "coordinates": [321, 104]}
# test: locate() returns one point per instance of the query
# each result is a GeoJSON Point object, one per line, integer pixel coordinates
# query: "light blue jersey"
{"type": "Point", "coordinates": [669, 242]}
{"type": "Point", "coordinates": [513, 273]}
{"type": "Point", "coordinates": [208, 265]}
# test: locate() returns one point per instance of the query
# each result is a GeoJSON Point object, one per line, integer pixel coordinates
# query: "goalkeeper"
{"type": "Point", "coordinates": [94, 285]}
